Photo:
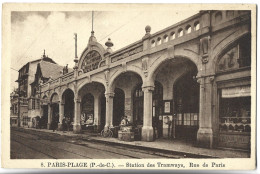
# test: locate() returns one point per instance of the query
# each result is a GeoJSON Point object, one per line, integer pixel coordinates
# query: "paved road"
{"type": "Point", "coordinates": [29, 144]}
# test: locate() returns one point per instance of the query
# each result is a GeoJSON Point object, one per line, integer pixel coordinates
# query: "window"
{"type": "Point", "coordinates": [235, 109]}
{"type": "Point", "coordinates": [165, 38]}
{"type": "Point", "coordinates": [37, 103]}
{"type": "Point", "coordinates": [237, 56]}
{"type": "Point", "coordinates": [230, 13]}
{"type": "Point", "coordinates": [196, 26]}
{"type": "Point", "coordinates": [159, 41]}
{"type": "Point", "coordinates": [153, 43]}
{"type": "Point", "coordinates": [33, 103]}
{"type": "Point", "coordinates": [218, 17]}
{"type": "Point", "coordinates": [180, 33]}
{"type": "Point", "coordinates": [172, 35]}
{"type": "Point", "coordinates": [188, 29]}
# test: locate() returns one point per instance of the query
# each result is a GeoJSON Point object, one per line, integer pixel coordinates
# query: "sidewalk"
{"type": "Point", "coordinates": [174, 146]}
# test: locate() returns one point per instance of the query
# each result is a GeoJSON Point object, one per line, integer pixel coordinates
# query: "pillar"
{"type": "Point", "coordinates": [77, 125]}
{"type": "Point", "coordinates": [109, 109]}
{"type": "Point", "coordinates": [147, 130]}
{"type": "Point", "coordinates": [49, 116]}
{"type": "Point", "coordinates": [61, 115]}
{"type": "Point", "coordinates": [205, 133]}
{"type": "Point", "coordinates": [97, 112]}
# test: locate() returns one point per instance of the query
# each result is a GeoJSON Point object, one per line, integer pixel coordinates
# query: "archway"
{"type": "Point", "coordinates": [54, 111]}
{"type": "Point", "coordinates": [186, 104]}
{"type": "Point", "coordinates": [124, 85]}
{"type": "Point", "coordinates": [175, 79]}
{"type": "Point", "coordinates": [93, 106]}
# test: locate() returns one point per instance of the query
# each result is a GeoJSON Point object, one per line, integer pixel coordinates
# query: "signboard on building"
{"type": "Point", "coordinates": [241, 91]}
{"type": "Point", "coordinates": [91, 61]}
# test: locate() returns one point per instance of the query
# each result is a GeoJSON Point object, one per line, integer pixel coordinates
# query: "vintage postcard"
{"type": "Point", "coordinates": [129, 86]}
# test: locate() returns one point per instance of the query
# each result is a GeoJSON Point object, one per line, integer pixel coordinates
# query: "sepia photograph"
{"type": "Point", "coordinates": [129, 86]}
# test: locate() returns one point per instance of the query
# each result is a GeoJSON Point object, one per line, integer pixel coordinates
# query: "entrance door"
{"type": "Point", "coordinates": [118, 106]}
{"type": "Point", "coordinates": [186, 99]}
{"type": "Point", "coordinates": [157, 109]}
{"type": "Point", "coordinates": [44, 119]}
{"type": "Point", "coordinates": [55, 114]}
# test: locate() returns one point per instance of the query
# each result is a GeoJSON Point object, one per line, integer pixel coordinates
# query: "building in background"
{"type": "Point", "coordinates": [25, 78]}
{"type": "Point", "coordinates": [14, 108]}
{"type": "Point", "coordinates": [37, 107]}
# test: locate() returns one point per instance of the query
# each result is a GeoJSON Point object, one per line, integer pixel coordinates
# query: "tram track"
{"type": "Point", "coordinates": [23, 139]}
{"type": "Point", "coordinates": [120, 150]}
{"type": "Point", "coordinates": [47, 145]}
{"type": "Point", "coordinates": [110, 150]}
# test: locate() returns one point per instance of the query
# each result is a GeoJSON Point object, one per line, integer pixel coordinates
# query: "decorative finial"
{"type": "Point", "coordinates": [43, 54]}
{"type": "Point", "coordinates": [76, 38]}
{"type": "Point", "coordinates": [109, 44]}
{"type": "Point", "coordinates": [147, 29]}
{"type": "Point", "coordinates": [92, 22]}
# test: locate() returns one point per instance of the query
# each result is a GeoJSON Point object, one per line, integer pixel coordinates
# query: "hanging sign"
{"type": "Point", "coordinates": [241, 91]}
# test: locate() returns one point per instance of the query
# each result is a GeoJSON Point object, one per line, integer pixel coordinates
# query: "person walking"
{"type": "Point", "coordinates": [63, 124]}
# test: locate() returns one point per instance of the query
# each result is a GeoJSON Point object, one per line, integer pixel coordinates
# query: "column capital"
{"type": "Point", "coordinates": [148, 88]}
{"type": "Point", "coordinates": [77, 100]}
{"type": "Point", "coordinates": [109, 94]}
{"type": "Point", "coordinates": [206, 79]}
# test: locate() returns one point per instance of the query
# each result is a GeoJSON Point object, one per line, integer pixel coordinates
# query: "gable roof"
{"type": "Point", "coordinates": [50, 69]}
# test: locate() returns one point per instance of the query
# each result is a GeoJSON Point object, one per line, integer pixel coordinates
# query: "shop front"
{"type": "Point", "coordinates": [234, 95]}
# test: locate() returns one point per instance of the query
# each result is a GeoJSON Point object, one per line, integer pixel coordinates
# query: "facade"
{"type": "Point", "coordinates": [191, 81]}
{"type": "Point", "coordinates": [45, 71]}
{"type": "Point", "coordinates": [14, 108]}
{"type": "Point", "coordinates": [25, 78]}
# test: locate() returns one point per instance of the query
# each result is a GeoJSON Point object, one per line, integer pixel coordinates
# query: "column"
{"type": "Point", "coordinates": [205, 133]}
{"type": "Point", "coordinates": [49, 116]}
{"type": "Point", "coordinates": [109, 109]}
{"type": "Point", "coordinates": [147, 130]}
{"type": "Point", "coordinates": [97, 112]}
{"type": "Point", "coordinates": [61, 115]}
{"type": "Point", "coordinates": [77, 125]}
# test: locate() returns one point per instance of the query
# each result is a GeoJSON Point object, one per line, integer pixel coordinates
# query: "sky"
{"type": "Point", "coordinates": [34, 31]}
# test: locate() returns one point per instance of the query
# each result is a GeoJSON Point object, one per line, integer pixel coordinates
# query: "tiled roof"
{"type": "Point", "coordinates": [51, 70]}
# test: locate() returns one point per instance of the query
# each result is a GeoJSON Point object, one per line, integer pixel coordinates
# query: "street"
{"type": "Point", "coordinates": [29, 144]}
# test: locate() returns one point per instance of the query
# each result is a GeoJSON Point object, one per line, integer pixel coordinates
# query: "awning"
{"type": "Point", "coordinates": [241, 91]}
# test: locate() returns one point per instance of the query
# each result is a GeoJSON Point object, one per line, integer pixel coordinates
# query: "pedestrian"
{"type": "Point", "coordinates": [68, 123]}
{"type": "Point", "coordinates": [54, 123]}
{"type": "Point", "coordinates": [63, 124]}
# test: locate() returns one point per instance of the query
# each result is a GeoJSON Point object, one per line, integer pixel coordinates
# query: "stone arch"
{"type": "Point", "coordinates": [63, 92]}
{"type": "Point", "coordinates": [45, 96]}
{"type": "Point", "coordinates": [52, 95]}
{"type": "Point", "coordinates": [224, 46]}
{"type": "Point", "coordinates": [193, 57]}
{"type": "Point", "coordinates": [132, 69]}
{"type": "Point", "coordinates": [96, 80]}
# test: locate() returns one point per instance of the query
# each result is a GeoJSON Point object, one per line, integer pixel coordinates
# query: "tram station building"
{"type": "Point", "coordinates": [191, 80]}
